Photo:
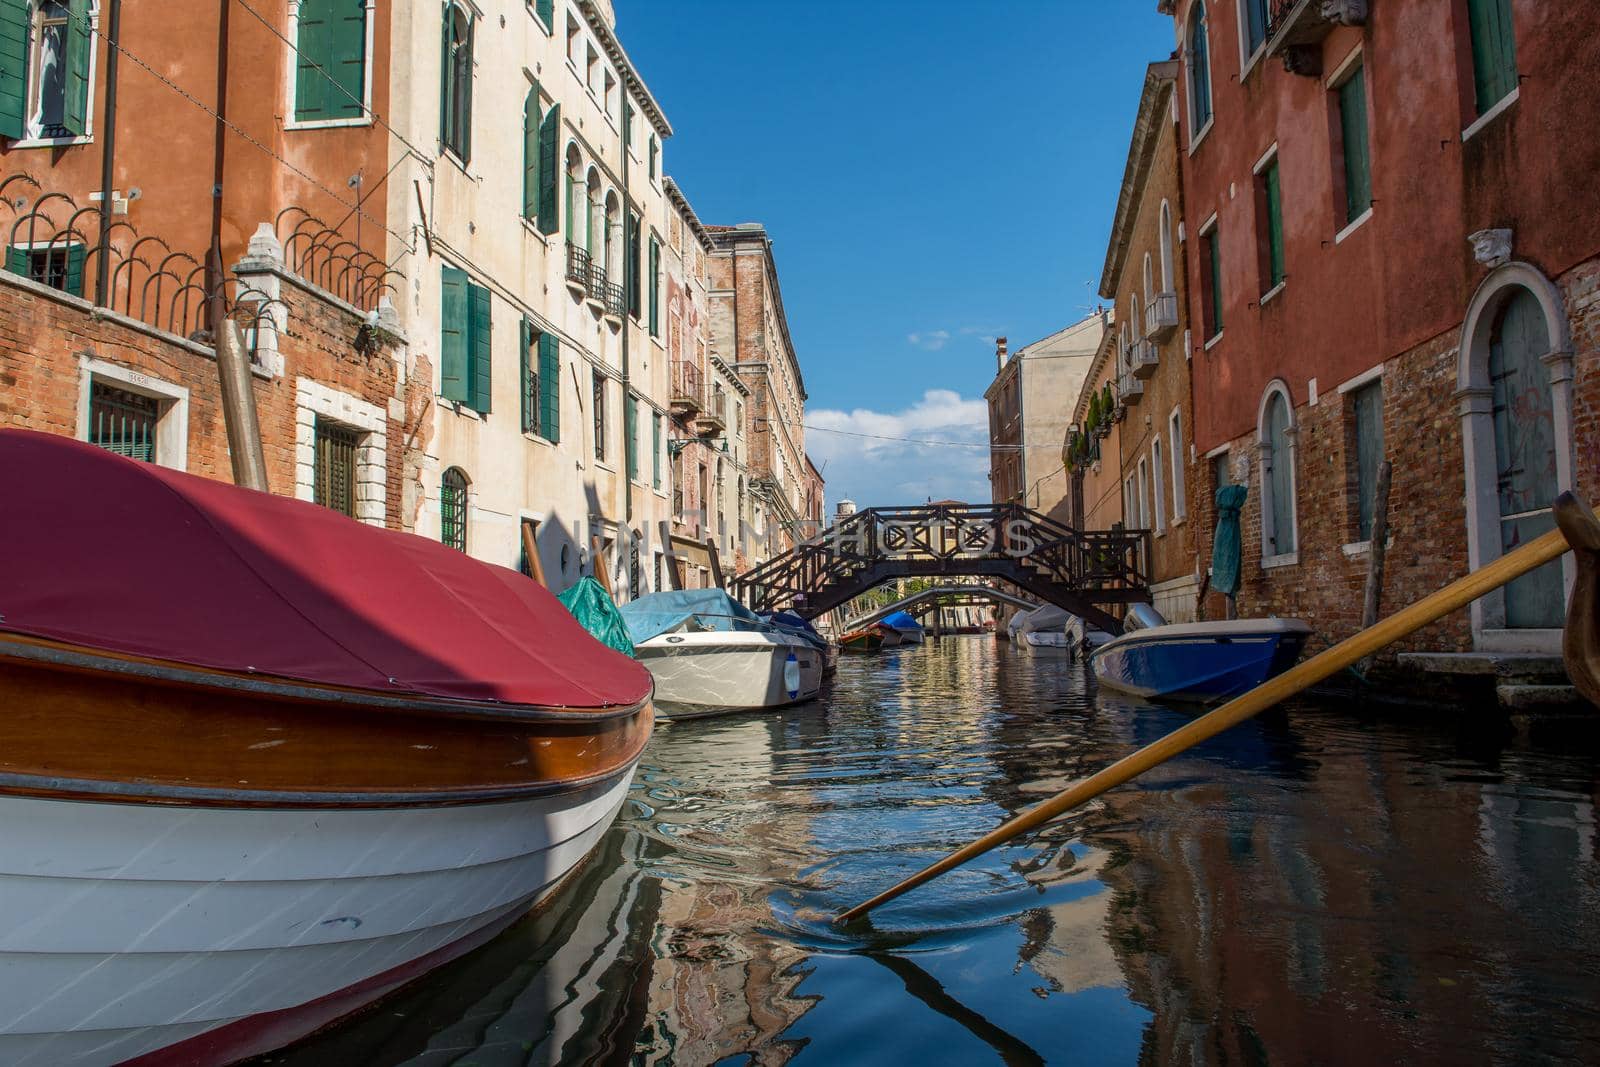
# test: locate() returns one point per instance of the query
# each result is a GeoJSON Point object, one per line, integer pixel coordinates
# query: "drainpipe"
{"type": "Point", "coordinates": [108, 156]}
{"type": "Point", "coordinates": [627, 313]}
{"type": "Point", "coordinates": [219, 153]}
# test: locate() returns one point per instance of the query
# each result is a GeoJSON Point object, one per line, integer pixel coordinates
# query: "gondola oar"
{"type": "Point", "coordinates": [1452, 597]}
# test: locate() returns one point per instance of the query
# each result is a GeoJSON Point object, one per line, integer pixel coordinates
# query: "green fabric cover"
{"type": "Point", "coordinates": [591, 606]}
{"type": "Point", "coordinates": [1227, 550]}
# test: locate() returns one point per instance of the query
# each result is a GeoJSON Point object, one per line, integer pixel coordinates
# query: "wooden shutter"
{"type": "Point", "coordinates": [530, 154]}
{"type": "Point", "coordinates": [1494, 53]}
{"type": "Point", "coordinates": [550, 394]}
{"type": "Point", "coordinates": [313, 49]}
{"type": "Point", "coordinates": [546, 10]}
{"type": "Point", "coordinates": [525, 390]}
{"type": "Point", "coordinates": [453, 330]}
{"type": "Point", "coordinates": [446, 77]}
{"type": "Point", "coordinates": [1357, 152]}
{"type": "Point", "coordinates": [74, 279]}
{"type": "Point", "coordinates": [13, 71]}
{"type": "Point", "coordinates": [1214, 268]}
{"type": "Point", "coordinates": [347, 60]}
{"type": "Point", "coordinates": [466, 89]}
{"type": "Point", "coordinates": [630, 429]}
{"type": "Point", "coordinates": [655, 448]}
{"type": "Point", "coordinates": [549, 169]}
{"type": "Point", "coordinates": [75, 113]}
{"type": "Point", "coordinates": [1274, 226]}
{"type": "Point", "coordinates": [480, 324]}
{"type": "Point", "coordinates": [655, 288]}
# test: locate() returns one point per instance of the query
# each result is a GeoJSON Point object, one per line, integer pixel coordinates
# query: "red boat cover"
{"type": "Point", "coordinates": [114, 554]}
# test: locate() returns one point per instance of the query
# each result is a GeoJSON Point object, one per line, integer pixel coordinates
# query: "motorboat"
{"type": "Point", "coordinates": [1082, 637]}
{"type": "Point", "coordinates": [262, 764]}
{"type": "Point", "coordinates": [711, 655]}
{"type": "Point", "coordinates": [908, 629]}
{"type": "Point", "coordinates": [801, 626]}
{"type": "Point", "coordinates": [1196, 662]}
{"type": "Point", "coordinates": [867, 639]}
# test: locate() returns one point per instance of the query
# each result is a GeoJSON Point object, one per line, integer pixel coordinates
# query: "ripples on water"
{"type": "Point", "coordinates": [1316, 886]}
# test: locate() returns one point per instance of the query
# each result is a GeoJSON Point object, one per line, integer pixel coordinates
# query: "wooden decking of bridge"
{"type": "Point", "coordinates": [1078, 570]}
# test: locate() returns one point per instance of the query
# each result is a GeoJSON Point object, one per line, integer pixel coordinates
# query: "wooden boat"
{"type": "Point", "coordinates": [1199, 662]}
{"type": "Point", "coordinates": [868, 639]}
{"type": "Point", "coordinates": [908, 629]}
{"type": "Point", "coordinates": [711, 655]}
{"type": "Point", "coordinates": [261, 764]}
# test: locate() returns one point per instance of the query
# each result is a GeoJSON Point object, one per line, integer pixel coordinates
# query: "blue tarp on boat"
{"type": "Point", "coordinates": [712, 609]}
{"type": "Point", "coordinates": [901, 621]}
{"type": "Point", "coordinates": [789, 622]}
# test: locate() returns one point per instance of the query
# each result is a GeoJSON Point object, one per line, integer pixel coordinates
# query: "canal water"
{"type": "Point", "coordinates": [1325, 884]}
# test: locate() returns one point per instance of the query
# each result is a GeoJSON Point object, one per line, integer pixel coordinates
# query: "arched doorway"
{"type": "Point", "coordinates": [1515, 377]}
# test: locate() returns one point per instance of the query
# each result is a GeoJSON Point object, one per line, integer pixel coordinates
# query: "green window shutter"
{"type": "Point", "coordinates": [655, 150]}
{"type": "Point", "coordinates": [530, 154]}
{"type": "Point", "coordinates": [466, 90]}
{"type": "Point", "coordinates": [655, 288]}
{"type": "Point", "coordinates": [525, 380]}
{"type": "Point", "coordinates": [572, 217]}
{"type": "Point", "coordinates": [546, 10]}
{"type": "Point", "coordinates": [1357, 147]}
{"type": "Point", "coordinates": [1494, 51]}
{"type": "Point", "coordinates": [631, 271]}
{"type": "Point", "coordinates": [630, 429]}
{"type": "Point", "coordinates": [347, 60]}
{"type": "Point", "coordinates": [453, 345]}
{"type": "Point", "coordinates": [549, 169]}
{"type": "Point", "coordinates": [1214, 272]}
{"type": "Point", "coordinates": [627, 125]}
{"type": "Point", "coordinates": [314, 49]}
{"type": "Point", "coordinates": [550, 394]}
{"type": "Point", "coordinates": [13, 69]}
{"type": "Point", "coordinates": [446, 82]}
{"type": "Point", "coordinates": [655, 448]}
{"type": "Point", "coordinates": [75, 254]}
{"type": "Point", "coordinates": [479, 331]}
{"type": "Point", "coordinates": [17, 261]}
{"type": "Point", "coordinates": [75, 116]}
{"type": "Point", "coordinates": [1274, 226]}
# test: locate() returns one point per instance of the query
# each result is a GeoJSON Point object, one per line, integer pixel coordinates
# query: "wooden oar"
{"type": "Point", "coordinates": [1452, 597]}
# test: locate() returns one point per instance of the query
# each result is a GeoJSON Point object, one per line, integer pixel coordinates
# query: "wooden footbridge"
{"type": "Point", "coordinates": [1079, 570]}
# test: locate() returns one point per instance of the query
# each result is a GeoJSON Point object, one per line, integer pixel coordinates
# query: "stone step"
{"type": "Point", "coordinates": [1524, 697]}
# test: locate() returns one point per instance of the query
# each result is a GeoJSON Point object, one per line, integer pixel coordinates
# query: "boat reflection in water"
{"type": "Point", "coordinates": [1313, 886]}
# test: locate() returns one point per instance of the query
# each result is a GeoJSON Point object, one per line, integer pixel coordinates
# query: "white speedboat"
{"type": "Point", "coordinates": [710, 655]}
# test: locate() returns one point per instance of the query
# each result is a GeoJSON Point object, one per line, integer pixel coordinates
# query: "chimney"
{"type": "Point", "coordinates": [999, 354]}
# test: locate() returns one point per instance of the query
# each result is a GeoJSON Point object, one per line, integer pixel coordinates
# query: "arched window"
{"type": "Point", "coordinates": [1197, 53]}
{"type": "Point", "coordinates": [455, 89]}
{"type": "Point", "coordinates": [1158, 485]}
{"type": "Point", "coordinates": [1149, 281]}
{"type": "Point", "coordinates": [1252, 27]}
{"type": "Point", "coordinates": [594, 230]}
{"type": "Point", "coordinates": [453, 509]}
{"type": "Point", "coordinates": [1276, 435]}
{"type": "Point", "coordinates": [574, 196]}
{"type": "Point", "coordinates": [1166, 247]}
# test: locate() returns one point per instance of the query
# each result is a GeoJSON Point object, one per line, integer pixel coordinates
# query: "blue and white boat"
{"type": "Point", "coordinates": [1197, 662]}
{"type": "Point", "coordinates": [908, 628]}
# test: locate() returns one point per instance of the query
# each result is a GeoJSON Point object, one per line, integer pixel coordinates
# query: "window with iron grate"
{"type": "Point", "coordinates": [123, 422]}
{"type": "Point", "coordinates": [333, 482]}
{"type": "Point", "coordinates": [453, 509]}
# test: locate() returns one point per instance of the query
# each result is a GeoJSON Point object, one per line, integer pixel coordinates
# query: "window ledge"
{"type": "Point", "coordinates": [1357, 548]}
{"type": "Point", "coordinates": [1274, 291]}
{"type": "Point", "coordinates": [460, 408]}
{"type": "Point", "coordinates": [532, 226]}
{"type": "Point", "coordinates": [1214, 339]}
{"type": "Point", "coordinates": [1194, 142]}
{"type": "Point", "coordinates": [450, 153]}
{"type": "Point", "coordinates": [53, 142]}
{"type": "Point", "coordinates": [1253, 61]}
{"type": "Point", "coordinates": [328, 124]}
{"type": "Point", "coordinates": [1288, 559]}
{"type": "Point", "coordinates": [603, 465]}
{"type": "Point", "coordinates": [1502, 106]}
{"type": "Point", "coordinates": [1353, 225]}
{"type": "Point", "coordinates": [537, 437]}
{"type": "Point", "coordinates": [1179, 521]}
{"type": "Point", "coordinates": [549, 31]}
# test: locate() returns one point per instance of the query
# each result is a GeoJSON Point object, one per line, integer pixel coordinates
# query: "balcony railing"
{"type": "Point", "coordinates": [1144, 359]}
{"type": "Point", "coordinates": [596, 287]}
{"type": "Point", "coordinates": [688, 393]}
{"type": "Point", "coordinates": [1129, 389]}
{"type": "Point", "coordinates": [713, 420]}
{"type": "Point", "coordinates": [1161, 316]}
{"type": "Point", "coordinates": [614, 300]}
{"type": "Point", "coordinates": [578, 264]}
{"type": "Point", "coordinates": [1294, 27]}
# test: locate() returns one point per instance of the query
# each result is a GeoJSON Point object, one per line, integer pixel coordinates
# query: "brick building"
{"type": "Point", "coordinates": [1142, 279]}
{"type": "Point", "coordinates": [751, 332]}
{"type": "Point", "coordinates": [1093, 447]}
{"type": "Point", "coordinates": [1391, 259]}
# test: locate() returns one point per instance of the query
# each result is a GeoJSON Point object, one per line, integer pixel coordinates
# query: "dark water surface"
{"type": "Point", "coordinates": [1325, 885]}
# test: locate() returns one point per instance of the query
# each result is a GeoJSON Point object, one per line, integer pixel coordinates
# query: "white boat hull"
{"type": "Point", "coordinates": [130, 928]}
{"type": "Point", "coordinates": [715, 672]}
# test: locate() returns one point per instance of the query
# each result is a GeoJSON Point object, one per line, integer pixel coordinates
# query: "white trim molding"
{"type": "Point", "coordinates": [313, 399]}
{"type": "Point", "coordinates": [290, 75]}
{"type": "Point", "coordinates": [172, 428]}
{"type": "Point", "coordinates": [1278, 387]}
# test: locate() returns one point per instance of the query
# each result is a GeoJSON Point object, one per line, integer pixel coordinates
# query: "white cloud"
{"type": "Point", "coordinates": [929, 340]}
{"type": "Point", "coordinates": [899, 457]}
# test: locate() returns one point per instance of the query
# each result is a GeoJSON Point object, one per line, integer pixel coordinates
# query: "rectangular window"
{"type": "Point", "coordinates": [532, 380]}
{"type": "Point", "coordinates": [630, 433]}
{"type": "Point", "coordinates": [574, 40]}
{"type": "Point", "coordinates": [655, 288]}
{"type": "Point", "coordinates": [655, 449]}
{"type": "Point", "coordinates": [655, 159]}
{"type": "Point", "coordinates": [599, 411]}
{"type": "Point", "coordinates": [60, 266]}
{"type": "Point", "coordinates": [1366, 416]}
{"type": "Point", "coordinates": [1211, 279]}
{"type": "Point", "coordinates": [1158, 487]}
{"type": "Point", "coordinates": [631, 268]}
{"type": "Point", "coordinates": [1269, 199]}
{"type": "Point", "coordinates": [1356, 145]}
{"type": "Point", "coordinates": [123, 422]}
{"type": "Point", "coordinates": [545, 9]}
{"type": "Point", "coordinates": [1180, 502]}
{"type": "Point", "coordinates": [540, 169]}
{"type": "Point", "coordinates": [330, 60]}
{"type": "Point", "coordinates": [1255, 26]}
{"type": "Point", "coordinates": [45, 52]}
{"type": "Point", "coordinates": [455, 81]}
{"type": "Point", "coordinates": [1221, 472]}
{"type": "Point", "coordinates": [334, 471]}
{"type": "Point", "coordinates": [465, 369]}
{"type": "Point", "coordinates": [1494, 51]}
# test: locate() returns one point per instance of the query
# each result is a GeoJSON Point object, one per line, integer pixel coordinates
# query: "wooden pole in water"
{"type": "Point", "coordinates": [1456, 595]}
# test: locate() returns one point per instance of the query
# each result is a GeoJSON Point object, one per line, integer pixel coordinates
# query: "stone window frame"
{"type": "Point", "coordinates": [1158, 487]}
{"type": "Point", "coordinates": [314, 400]}
{"type": "Point", "coordinates": [291, 80]}
{"type": "Point", "coordinates": [32, 134]}
{"type": "Point", "coordinates": [1475, 405]}
{"type": "Point", "coordinates": [172, 428]}
{"type": "Point", "coordinates": [1278, 387]}
{"type": "Point", "coordinates": [1198, 133]}
{"type": "Point", "coordinates": [1166, 246]}
{"type": "Point", "coordinates": [1180, 492]}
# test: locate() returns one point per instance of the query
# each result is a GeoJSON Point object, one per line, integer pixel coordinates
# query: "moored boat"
{"type": "Point", "coordinates": [711, 655]}
{"type": "Point", "coordinates": [866, 639]}
{"type": "Point", "coordinates": [908, 629]}
{"type": "Point", "coordinates": [800, 626]}
{"type": "Point", "coordinates": [1198, 662]}
{"type": "Point", "coordinates": [261, 764]}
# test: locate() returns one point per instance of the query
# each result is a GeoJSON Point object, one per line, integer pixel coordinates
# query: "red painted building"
{"type": "Point", "coordinates": [1392, 253]}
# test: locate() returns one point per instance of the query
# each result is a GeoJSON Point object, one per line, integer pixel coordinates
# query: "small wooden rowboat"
{"type": "Point", "coordinates": [261, 764]}
{"type": "Point", "coordinates": [869, 639]}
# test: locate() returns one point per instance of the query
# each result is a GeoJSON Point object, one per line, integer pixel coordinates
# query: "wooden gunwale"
{"type": "Point", "coordinates": [74, 724]}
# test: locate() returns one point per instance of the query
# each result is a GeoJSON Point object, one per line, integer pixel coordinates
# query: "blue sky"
{"type": "Point", "coordinates": [933, 174]}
